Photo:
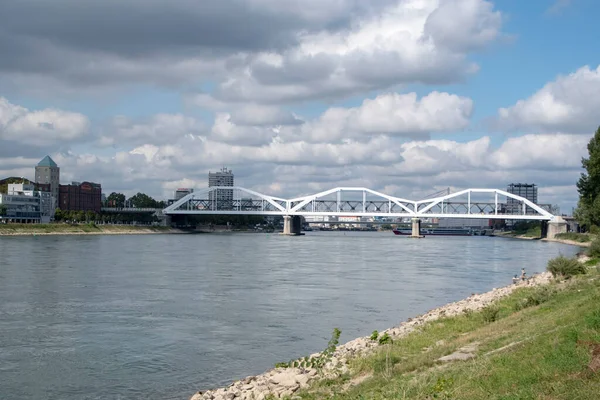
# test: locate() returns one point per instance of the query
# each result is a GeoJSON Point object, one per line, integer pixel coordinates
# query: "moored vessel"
{"type": "Point", "coordinates": [436, 232]}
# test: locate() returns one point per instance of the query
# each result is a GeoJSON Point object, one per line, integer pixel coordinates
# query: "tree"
{"type": "Point", "coordinates": [116, 200]}
{"type": "Point", "coordinates": [142, 200]}
{"type": "Point", "coordinates": [90, 216]}
{"type": "Point", "coordinates": [588, 186]}
{"type": "Point", "coordinates": [2, 210]}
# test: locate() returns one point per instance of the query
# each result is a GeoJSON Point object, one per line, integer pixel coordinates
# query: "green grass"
{"type": "Point", "coordinates": [534, 232]}
{"type": "Point", "coordinates": [576, 237]}
{"type": "Point", "coordinates": [592, 262]}
{"type": "Point", "coordinates": [544, 330]}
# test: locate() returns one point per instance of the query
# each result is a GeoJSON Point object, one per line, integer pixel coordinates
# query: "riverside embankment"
{"type": "Point", "coordinates": [81, 229]}
{"type": "Point", "coordinates": [285, 382]}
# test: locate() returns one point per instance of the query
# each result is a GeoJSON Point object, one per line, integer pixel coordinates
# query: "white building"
{"type": "Point", "coordinates": [24, 204]}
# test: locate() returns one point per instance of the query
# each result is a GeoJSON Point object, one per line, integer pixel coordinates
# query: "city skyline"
{"type": "Point", "coordinates": [405, 97]}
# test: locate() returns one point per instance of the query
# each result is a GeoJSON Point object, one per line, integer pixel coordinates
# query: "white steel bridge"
{"type": "Point", "coordinates": [360, 202]}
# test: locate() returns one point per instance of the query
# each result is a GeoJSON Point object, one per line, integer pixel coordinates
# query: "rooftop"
{"type": "Point", "coordinates": [47, 162]}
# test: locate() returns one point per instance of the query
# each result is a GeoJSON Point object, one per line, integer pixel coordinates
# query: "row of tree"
{"type": "Point", "coordinates": [91, 216]}
{"type": "Point", "coordinates": [139, 200]}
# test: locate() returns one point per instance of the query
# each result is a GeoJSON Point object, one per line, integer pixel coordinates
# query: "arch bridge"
{"type": "Point", "coordinates": [358, 202]}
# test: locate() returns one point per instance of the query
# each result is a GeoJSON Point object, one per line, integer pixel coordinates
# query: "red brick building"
{"type": "Point", "coordinates": [86, 196]}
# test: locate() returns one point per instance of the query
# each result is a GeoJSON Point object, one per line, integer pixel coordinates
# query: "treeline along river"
{"type": "Point", "coordinates": [161, 316]}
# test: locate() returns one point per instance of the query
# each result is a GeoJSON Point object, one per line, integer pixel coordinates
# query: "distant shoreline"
{"type": "Point", "coordinates": [83, 229]}
{"type": "Point", "coordinates": [563, 241]}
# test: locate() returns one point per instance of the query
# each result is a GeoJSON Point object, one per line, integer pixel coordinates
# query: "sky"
{"type": "Point", "coordinates": [406, 97]}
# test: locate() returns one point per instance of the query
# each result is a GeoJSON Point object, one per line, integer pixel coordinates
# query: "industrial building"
{"type": "Point", "coordinates": [85, 196]}
{"type": "Point", "coordinates": [526, 190]}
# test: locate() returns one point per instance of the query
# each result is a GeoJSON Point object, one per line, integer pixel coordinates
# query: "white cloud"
{"type": "Point", "coordinates": [568, 104]}
{"type": "Point", "coordinates": [401, 114]}
{"type": "Point", "coordinates": [159, 129]}
{"type": "Point", "coordinates": [280, 50]}
{"type": "Point", "coordinates": [410, 41]}
{"type": "Point", "coordinates": [260, 115]}
{"type": "Point", "coordinates": [40, 128]}
{"type": "Point", "coordinates": [549, 151]}
{"type": "Point", "coordinates": [224, 130]}
{"type": "Point", "coordinates": [463, 25]}
{"type": "Point", "coordinates": [391, 114]}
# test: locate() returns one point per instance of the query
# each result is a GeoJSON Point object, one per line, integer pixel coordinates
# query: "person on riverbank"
{"type": "Point", "coordinates": [523, 275]}
{"type": "Point", "coordinates": [515, 279]}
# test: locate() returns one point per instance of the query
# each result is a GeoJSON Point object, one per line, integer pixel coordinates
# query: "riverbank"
{"type": "Point", "coordinates": [567, 241]}
{"type": "Point", "coordinates": [573, 239]}
{"type": "Point", "coordinates": [81, 229]}
{"type": "Point", "coordinates": [439, 336]}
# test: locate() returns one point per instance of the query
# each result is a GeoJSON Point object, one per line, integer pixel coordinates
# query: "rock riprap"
{"type": "Point", "coordinates": [282, 382]}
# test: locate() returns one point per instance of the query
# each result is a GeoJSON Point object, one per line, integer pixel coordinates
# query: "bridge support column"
{"type": "Point", "coordinates": [292, 225]}
{"type": "Point", "coordinates": [544, 225]}
{"type": "Point", "coordinates": [556, 226]}
{"type": "Point", "coordinates": [416, 228]}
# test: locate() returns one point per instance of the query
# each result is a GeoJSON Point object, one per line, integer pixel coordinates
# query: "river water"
{"type": "Point", "coordinates": [162, 316]}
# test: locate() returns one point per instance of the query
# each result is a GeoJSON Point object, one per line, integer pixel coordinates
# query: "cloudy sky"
{"type": "Point", "coordinates": [296, 96]}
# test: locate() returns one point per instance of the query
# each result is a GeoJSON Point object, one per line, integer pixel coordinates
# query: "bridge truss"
{"type": "Point", "coordinates": [359, 202]}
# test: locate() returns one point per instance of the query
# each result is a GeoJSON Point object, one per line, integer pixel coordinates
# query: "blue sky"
{"type": "Point", "coordinates": [150, 96]}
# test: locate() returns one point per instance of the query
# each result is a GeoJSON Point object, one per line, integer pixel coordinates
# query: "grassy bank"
{"type": "Point", "coordinates": [575, 237]}
{"type": "Point", "coordinates": [67, 229]}
{"type": "Point", "coordinates": [537, 343]}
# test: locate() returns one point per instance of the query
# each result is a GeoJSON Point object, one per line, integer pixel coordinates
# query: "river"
{"type": "Point", "coordinates": [162, 316]}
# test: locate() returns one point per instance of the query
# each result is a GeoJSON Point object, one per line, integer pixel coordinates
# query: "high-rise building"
{"type": "Point", "coordinates": [526, 190]}
{"type": "Point", "coordinates": [224, 197]}
{"type": "Point", "coordinates": [48, 173]}
{"type": "Point", "coordinates": [182, 192]}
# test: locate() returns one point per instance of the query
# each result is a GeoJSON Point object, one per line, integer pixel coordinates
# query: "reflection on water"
{"type": "Point", "coordinates": [158, 317]}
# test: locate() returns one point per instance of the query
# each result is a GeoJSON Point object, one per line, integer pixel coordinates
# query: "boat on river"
{"type": "Point", "coordinates": [436, 232]}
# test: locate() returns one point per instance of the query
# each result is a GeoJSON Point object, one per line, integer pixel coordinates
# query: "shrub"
{"type": "Point", "coordinates": [490, 313]}
{"type": "Point", "coordinates": [594, 249]}
{"type": "Point", "coordinates": [374, 335]}
{"type": "Point", "coordinates": [565, 267]}
{"type": "Point", "coordinates": [385, 339]}
{"type": "Point", "coordinates": [536, 298]}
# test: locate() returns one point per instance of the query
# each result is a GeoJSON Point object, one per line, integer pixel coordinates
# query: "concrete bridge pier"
{"type": "Point", "coordinates": [556, 226]}
{"type": "Point", "coordinates": [292, 225]}
{"type": "Point", "coordinates": [416, 228]}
